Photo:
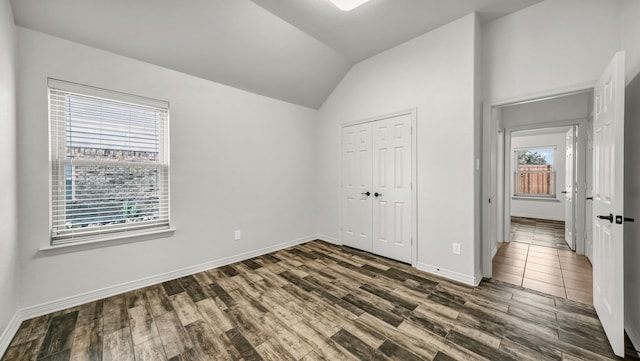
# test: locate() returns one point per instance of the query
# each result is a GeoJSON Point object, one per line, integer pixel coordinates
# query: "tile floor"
{"type": "Point", "coordinates": [558, 272]}
{"type": "Point", "coordinates": [540, 232]}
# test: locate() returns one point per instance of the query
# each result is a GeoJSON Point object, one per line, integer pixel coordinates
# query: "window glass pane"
{"type": "Point", "coordinates": [535, 175]}
{"type": "Point", "coordinates": [105, 195]}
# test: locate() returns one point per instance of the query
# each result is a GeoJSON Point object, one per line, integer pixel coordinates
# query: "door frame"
{"type": "Point", "coordinates": [580, 152]}
{"type": "Point", "coordinates": [413, 113]}
{"type": "Point", "coordinates": [491, 128]}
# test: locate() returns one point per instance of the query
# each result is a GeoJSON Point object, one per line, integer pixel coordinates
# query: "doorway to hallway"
{"type": "Point", "coordinates": [537, 257]}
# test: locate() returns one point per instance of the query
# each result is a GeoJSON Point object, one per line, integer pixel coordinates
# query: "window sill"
{"type": "Point", "coordinates": [540, 199]}
{"type": "Point", "coordinates": [106, 242]}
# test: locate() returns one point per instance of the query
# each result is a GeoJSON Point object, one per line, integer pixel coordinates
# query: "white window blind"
{"type": "Point", "coordinates": [109, 163]}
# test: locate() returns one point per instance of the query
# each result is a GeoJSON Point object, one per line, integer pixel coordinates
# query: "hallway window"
{"type": "Point", "coordinates": [535, 176]}
{"type": "Point", "coordinates": [109, 163]}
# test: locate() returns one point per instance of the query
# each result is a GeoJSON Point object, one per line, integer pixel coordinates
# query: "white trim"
{"type": "Point", "coordinates": [106, 94]}
{"type": "Point", "coordinates": [634, 335]}
{"type": "Point", "coordinates": [452, 275]}
{"type": "Point", "coordinates": [10, 331]}
{"type": "Point", "coordinates": [328, 239]}
{"type": "Point", "coordinates": [112, 240]}
{"type": "Point", "coordinates": [545, 94]}
{"type": "Point", "coordinates": [494, 252]}
{"type": "Point", "coordinates": [63, 303]}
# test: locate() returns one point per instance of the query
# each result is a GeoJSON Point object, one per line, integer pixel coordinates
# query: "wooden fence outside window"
{"type": "Point", "coordinates": [535, 180]}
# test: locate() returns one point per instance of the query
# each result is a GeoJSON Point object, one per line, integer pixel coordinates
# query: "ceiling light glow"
{"type": "Point", "coordinates": [348, 5]}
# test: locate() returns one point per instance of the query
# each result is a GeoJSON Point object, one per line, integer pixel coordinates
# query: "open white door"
{"type": "Point", "coordinates": [569, 190]}
{"type": "Point", "coordinates": [356, 186]}
{"type": "Point", "coordinates": [608, 195]}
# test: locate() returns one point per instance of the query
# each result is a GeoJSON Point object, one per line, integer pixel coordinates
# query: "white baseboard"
{"type": "Point", "coordinates": [494, 251]}
{"type": "Point", "coordinates": [634, 335]}
{"type": "Point", "coordinates": [328, 239]}
{"type": "Point", "coordinates": [452, 275]}
{"type": "Point", "coordinates": [61, 304]}
{"type": "Point", "coordinates": [10, 331]}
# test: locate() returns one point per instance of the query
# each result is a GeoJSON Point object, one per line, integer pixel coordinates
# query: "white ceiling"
{"type": "Point", "coordinates": [381, 24]}
{"type": "Point", "coordinates": [293, 50]}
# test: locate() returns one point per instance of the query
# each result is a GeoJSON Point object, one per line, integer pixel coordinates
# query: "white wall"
{"type": "Point", "coordinates": [630, 13]}
{"type": "Point", "coordinates": [543, 208]}
{"type": "Point", "coordinates": [542, 113]}
{"type": "Point", "coordinates": [238, 161]}
{"type": "Point", "coordinates": [8, 236]}
{"type": "Point", "coordinates": [552, 46]}
{"type": "Point", "coordinates": [632, 209]}
{"type": "Point", "coordinates": [435, 73]}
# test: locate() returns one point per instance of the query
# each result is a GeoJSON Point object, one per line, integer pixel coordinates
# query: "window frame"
{"type": "Point", "coordinates": [59, 161]}
{"type": "Point", "coordinates": [553, 173]}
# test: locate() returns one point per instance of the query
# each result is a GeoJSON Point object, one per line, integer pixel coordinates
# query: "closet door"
{"type": "Point", "coordinates": [356, 186]}
{"type": "Point", "coordinates": [392, 188]}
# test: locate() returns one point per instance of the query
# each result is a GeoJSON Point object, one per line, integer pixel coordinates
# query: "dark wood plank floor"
{"type": "Point", "coordinates": [318, 302]}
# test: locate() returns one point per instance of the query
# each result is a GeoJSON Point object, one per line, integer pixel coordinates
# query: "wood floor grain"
{"type": "Point", "coordinates": [318, 301]}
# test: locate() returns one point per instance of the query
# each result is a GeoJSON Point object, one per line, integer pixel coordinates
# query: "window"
{"type": "Point", "coordinates": [109, 163]}
{"type": "Point", "coordinates": [534, 175]}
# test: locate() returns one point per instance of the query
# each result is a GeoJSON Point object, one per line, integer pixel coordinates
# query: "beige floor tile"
{"type": "Point", "coordinates": [509, 261]}
{"type": "Point", "coordinates": [579, 296]}
{"type": "Point", "coordinates": [513, 250]}
{"type": "Point", "coordinates": [513, 255]}
{"type": "Point", "coordinates": [544, 268]}
{"type": "Point", "coordinates": [515, 270]}
{"type": "Point", "coordinates": [575, 260]}
{"type": "Point", "coordinates": [548, 288]}
{"type": "Point", "coordinates": [544, 277]}
{"type": "Point", "coordinates": [580, 276]}
{"type": "Point", "coordinates": [507, 277]}
{"type": "Point", "coordinates": [566, 253]}
{"type": "Point", "coordinates": [580, 285]}
{"type": "Point", "coordinates": [517, 244]}
{"type": "Point", "coordinates": [541, 249]}
{"type": "Point", "coordinates": [543, 255]}
{"type": "Point", "coordinates": [543, 261]}
{"type": "Point", "coordinates": [576, 267]}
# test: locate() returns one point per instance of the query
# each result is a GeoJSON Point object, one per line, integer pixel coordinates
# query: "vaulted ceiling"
{"type": "Point", "coordinates": [293, 50]}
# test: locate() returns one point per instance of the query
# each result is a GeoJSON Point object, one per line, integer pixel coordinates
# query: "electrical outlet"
{"type": "Point", "coordinates": [456, 248]}
{"type": "Point", "coordinates": [236, 235]}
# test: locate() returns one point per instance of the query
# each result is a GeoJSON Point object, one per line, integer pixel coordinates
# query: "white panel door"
{"type": "Point", "coordinates": [392, 188]}
{"type": "Point", "coordinates": [569, 219]}
{"type": "Point", "coordinates": [588, 211]}
{"type": "Point", "coordinates": [356, 183]}
{"type": "Point", "coordinates": [608, 153]}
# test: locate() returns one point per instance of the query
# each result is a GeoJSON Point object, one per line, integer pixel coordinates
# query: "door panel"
{"type": "Point", "coordinates": [608, 173]}
{"type": "Point", "coordinates": [588, 251]}
{"type": "Point", "coordinates": [392, 181]}
{"type": "Point", "coordinates": [356, 180]}
{"type": "Point", "coordinates": [569, 188]}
